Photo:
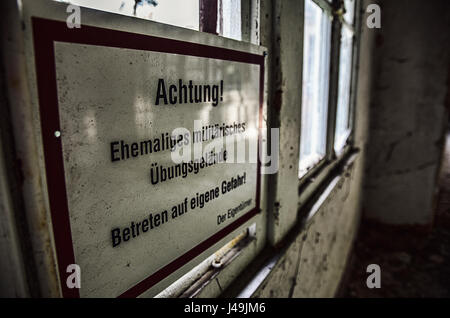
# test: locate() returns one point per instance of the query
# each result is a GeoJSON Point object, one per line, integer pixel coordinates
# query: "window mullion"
{"type": "Point", "coordinates": [333, 88]}
{"type": "Point", "coordinates": [355, 67]}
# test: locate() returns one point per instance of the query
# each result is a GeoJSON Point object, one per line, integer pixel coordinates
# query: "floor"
{"type": "Point", "coordinates": [417, 267]}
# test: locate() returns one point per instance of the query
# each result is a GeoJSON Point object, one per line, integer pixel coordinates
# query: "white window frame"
{"type": "Point", "coordinates": [310, 182]}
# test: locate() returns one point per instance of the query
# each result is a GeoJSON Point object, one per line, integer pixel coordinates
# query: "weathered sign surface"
{"type": "Point", "coordinates": [116, 111]}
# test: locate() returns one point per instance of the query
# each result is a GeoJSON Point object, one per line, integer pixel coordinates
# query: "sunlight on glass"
{"type": "Point", "coordinates": [182, 13]}
{"type": "Point", "coordinates": [316, 62]}
{"type": "Point", "coordinates": [231, 19]}
{"type": "Point", "coordinates": [343, 103]}
{"type": "Point", "coordinates": [349, 15]}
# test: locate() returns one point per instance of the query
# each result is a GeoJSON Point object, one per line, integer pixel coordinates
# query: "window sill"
{"type": "Point", "coordinates": [311, 183]}
{"type": "Point", "coordinates": [313, 163]}
{"type": "Point", "coordinates": [345, 164]}
{"type": "Point", "coordinates": [208, 279]}
{"type": "Point", "coordinates": [342, 142]}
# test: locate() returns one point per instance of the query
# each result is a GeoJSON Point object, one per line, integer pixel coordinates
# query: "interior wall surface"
{"type": "Point", "coordinates": [408, 118]}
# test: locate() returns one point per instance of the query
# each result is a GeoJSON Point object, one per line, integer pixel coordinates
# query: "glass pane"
{"type": "Point", "coordinates": [231, 19]}
{"type": "Point", "coordinates": [182, 13]}
{"type": "Point", "coordinates": [343, 103]}
{"type": "Point", "coordinates": [349, 11]}
{"type": "Point", "coordinates": [316, 61]}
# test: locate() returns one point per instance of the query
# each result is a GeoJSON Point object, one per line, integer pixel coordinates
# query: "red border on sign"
{"type": "Point", "coordinates": [45, 33]}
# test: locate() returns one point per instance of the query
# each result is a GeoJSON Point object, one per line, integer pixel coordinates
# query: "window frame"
{"type": "Point", "coordinates": [353, 28]}
{"type": "Point", "coordinates": [310, 182]}
{"type": "Point", "coordinates": [311, 173]}
{"type": "Point", "coordinates": [316, 166]}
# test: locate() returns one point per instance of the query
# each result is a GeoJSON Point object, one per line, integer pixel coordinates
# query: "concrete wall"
{"type": "Point", "coordinates": [284, 112]}
{"type": "Point", "coordinates": [312, 266]}
{"type": "Point", "coordinates": [407, 112]}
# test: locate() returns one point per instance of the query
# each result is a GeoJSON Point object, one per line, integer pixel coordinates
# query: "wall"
{"type": "Point", "coordinates": [286, 43]}
{"type": "Point", "coordinates": [407, 112]}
